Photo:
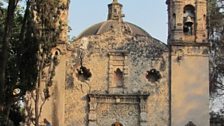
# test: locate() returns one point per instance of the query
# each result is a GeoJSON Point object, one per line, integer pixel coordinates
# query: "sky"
{"type": "Point", "coordinates": [150, 15]}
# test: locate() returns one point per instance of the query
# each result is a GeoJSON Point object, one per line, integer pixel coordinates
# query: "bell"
{"type": "Point", "coordinates": [189, 21]}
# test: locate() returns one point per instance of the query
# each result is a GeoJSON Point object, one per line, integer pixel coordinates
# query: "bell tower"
{"type": "Point", "coordinates": [187, 21]}
{"type": "Point", "coordinates": [189, 62]}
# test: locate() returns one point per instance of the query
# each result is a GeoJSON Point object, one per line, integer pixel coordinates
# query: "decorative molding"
{"type": "Point", "coordinates": [132, 105]}
{"type": "Point", "coordinates": [190, 50]}
{"type": "Point", "coordinates": [117, 61]}
{"type": "Point", "coordinates": [118, 99]}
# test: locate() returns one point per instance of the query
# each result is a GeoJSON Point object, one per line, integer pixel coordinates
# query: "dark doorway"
{"type": "Point", "coordinates": [117, 124]}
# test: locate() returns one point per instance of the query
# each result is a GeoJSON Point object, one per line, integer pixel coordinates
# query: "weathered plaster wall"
{"type": "Point", "coordinates": [189, 62]}
{"type": "Point", "coordinates": [50, 109]}
{"type": "Point", "coordinates": [143, 54]}
{"type": "Point", "coordinates": [190, 86]}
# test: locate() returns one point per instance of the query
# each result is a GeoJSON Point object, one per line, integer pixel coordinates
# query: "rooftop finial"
{"type": "Point", "coordinates": [115, 11]}
{"type": "Point", "coordinates": [115, 1]}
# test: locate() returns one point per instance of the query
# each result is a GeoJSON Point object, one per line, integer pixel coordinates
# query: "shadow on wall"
{"type": "Point", "coordinates": [55, 120]}
{"type": "Point", "coordinates": [47, 123]}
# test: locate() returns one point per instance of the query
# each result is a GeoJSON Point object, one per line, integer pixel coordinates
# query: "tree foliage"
{"type": "Point", "coordinates": [27, 37]}
{"type": "Point", "coordinates": [17, 52]}
{"type": "Point", "coordinates": [47, 28]}
{"type": "Point", "coordinates": [216, 38]}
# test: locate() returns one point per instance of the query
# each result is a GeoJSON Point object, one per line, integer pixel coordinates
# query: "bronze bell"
{"type": "Point", "coordinates": [189, 21]}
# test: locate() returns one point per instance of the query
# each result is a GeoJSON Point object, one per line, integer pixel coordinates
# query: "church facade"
{"type": "Point", "coordinates": [116, 74]}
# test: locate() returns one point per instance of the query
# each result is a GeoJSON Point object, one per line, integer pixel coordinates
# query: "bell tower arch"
{"type": "Point", "coordinates": [187, 21]}
{"type": "Point", "coordinates": [189, 62]}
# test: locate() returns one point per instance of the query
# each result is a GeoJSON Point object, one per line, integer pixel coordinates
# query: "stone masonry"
{"type": "Point", "coordinates": [116, 74]}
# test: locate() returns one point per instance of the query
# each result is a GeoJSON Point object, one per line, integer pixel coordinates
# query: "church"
{"type": "Point", "coordinates": [117, 74]}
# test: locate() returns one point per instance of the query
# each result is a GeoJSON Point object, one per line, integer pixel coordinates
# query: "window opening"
{"type": "Point", "coordinates": [189, 19]}
{"type": "Point", "coordinates": [119, 78]}
{"type": "Point", "coordinates": [153, 75]}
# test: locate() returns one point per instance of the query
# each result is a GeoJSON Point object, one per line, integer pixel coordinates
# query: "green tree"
{"type": "Point", "coordinates": [46, 31]}
{"type": "Point", "coordinates": [216, 38]}
{"type": "Point", "coordinates": [25, 51]}
{"type": "Point", "coordinates": [5, 43]}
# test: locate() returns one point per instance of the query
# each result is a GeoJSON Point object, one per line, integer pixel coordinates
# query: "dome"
{"type": "Point", "coordinates": [114, 22]}
{"type": "Point", "coordinates": [108, 25]}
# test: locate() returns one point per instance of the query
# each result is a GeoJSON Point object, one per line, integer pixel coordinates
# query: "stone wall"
{"type": "Point", "coordinates": [137, 57]}
{"type": "Point", "coordinates": [190, 85]}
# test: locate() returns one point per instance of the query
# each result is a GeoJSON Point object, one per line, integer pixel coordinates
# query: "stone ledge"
{"type": "Point", "coordinates": [115, 98]}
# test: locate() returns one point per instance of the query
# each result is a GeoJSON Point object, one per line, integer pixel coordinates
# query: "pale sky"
{"type": "Point", "coordinates": [151, 15]}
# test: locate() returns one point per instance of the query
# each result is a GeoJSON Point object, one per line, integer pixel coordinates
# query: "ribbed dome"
{"type": "Point", "coordinates": [108, 25]}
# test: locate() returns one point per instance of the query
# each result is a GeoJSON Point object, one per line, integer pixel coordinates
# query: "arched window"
{"type": "Point", "coordinates": [117, 124]}
{"type": "Point", "coordinates": [174, 21]}
{"type": "Point", "coordinates": [189, 20]}
{"type": "Point", "coordinates": [118, 77]}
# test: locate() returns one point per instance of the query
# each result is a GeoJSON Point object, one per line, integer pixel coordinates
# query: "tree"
{"type": "Point", "coordinates": [28, 37]}
{"type": "Point", "coordinates": [216, 39]}
{"type": "Point", "coordinates": [5, 56]}
{"type": "Point", "coordinates": [216, 36]}
{"type": "Point", "coordinates": [46, 31]}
